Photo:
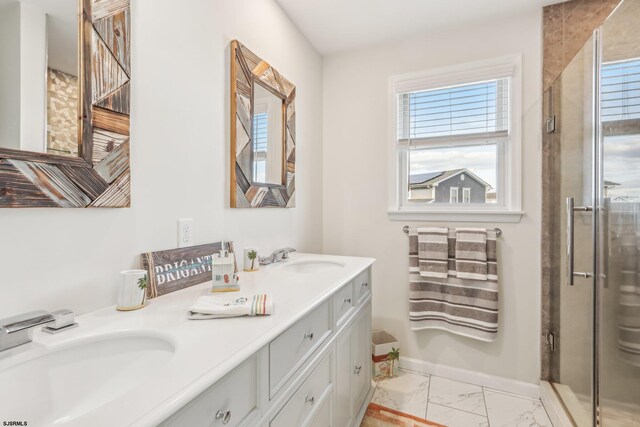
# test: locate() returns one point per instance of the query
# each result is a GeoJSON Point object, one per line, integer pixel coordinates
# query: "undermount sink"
{"type": "Point", "coordinates": [312, 266]}
{"type": "Point", "coordinates": [66, 382]}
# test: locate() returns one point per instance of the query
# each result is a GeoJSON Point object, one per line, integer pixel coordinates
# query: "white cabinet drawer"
{"type": "Point", "coordinates": [236, 393]}
{"type": "Point", "coordinates": [323, 416]}
{"type": "Point", "coordinates": [298, 409]}
{"type": "Point", "coordinates": [290, 350]}
{"type": "Point", "coordinates": [343, 303]}
{"type": "Point", "coordinates": [363, 285]}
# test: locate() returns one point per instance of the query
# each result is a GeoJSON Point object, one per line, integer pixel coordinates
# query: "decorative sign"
{"type": "Point", "coordinates": [176, 269]}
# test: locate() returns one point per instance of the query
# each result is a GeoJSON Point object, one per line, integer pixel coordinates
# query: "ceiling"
{"type": "Point", "coordinates": [340, 25]}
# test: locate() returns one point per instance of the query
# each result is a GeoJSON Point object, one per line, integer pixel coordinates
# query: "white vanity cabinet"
{"type": "Point", "coordinates": [343, 395]}
{"type": "Point", "coordinates": [316, 390]}
{"type": "Point", "coordinates": [232, 401]}
{"type": "Point", "coordinates": [362, 285]}
{"type": "Point", "coordinates": [361, 373]}
{"type": "Point", "coordinates": [353, 370]}
{"type": "Point", "coordinates": [294, 346]}
{"type": "Point", "coordinates": [316, 373]}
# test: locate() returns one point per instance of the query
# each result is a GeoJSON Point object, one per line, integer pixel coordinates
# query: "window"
{"type": "Point", "coordinates": [620, 95]}
{"type": "Point", "coordinates": [620, 110]}
{"type": "Point", "coordinates": [456, 128]}
{"type": "Point", "coordinates": [466, 195]}
{"type": "Point", "coordinates": [260, 135]}
{"type": "Point", "coordinates": [453, 195]}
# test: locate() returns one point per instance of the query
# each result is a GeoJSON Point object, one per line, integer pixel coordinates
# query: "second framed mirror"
{"type": "Point", "coordinates": [262, 133]}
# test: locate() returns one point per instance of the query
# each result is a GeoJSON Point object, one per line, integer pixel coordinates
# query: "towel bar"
{"type": "Point", "coordinates": [497, 230]}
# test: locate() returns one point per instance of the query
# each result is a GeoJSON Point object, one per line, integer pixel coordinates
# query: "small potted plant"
{"type": "Point", "coordinates": [392, 357]}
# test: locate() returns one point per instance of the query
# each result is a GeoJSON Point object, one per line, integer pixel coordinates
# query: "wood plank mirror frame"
{"type": "Point", "coordinates": [247, 71]}
{"type": "Point", "coordinates": [100, 176]}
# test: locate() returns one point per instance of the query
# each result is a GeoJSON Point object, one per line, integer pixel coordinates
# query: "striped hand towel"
{"type": "Point", "coordinates": [471, 253]}
{"type": "Point", "coordinates": [465, 307]}
{"type": "Point", "coordinates": [215, 307]}
{"type": "Point", "coordinates": [433, 252]}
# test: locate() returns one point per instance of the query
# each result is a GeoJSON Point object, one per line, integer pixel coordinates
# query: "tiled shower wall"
{"type": "Point", "coordinates": [62, 112]}
{"type": "Point", "coordinates": [566, 28]}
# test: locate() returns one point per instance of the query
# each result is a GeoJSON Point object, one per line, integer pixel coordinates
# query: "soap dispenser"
{"type": "Point", "coordinates": [223, 268]}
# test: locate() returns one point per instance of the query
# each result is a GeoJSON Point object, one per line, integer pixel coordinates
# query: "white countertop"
{"type": "Point", "coordinates": [205, 350]}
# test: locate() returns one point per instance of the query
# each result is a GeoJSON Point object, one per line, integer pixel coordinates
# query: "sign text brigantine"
{"type": "Point", "coordinates": [181, 270]}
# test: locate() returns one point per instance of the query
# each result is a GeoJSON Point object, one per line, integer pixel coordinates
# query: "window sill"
{"type": "Point", "coordinates": [456, 216]}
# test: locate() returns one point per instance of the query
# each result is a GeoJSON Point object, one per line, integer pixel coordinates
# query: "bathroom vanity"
{"type": "Point", "coordinates": [308, 364]}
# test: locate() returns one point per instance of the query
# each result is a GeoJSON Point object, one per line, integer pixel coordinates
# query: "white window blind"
{"type": "Point", "coordinates": [457, 112]}
{"type": "Point", "coordinates": [260, 132]}
{"type": "Point", "coordinates": [260, 137]}
{"type": "Point", "coordinates": [620, 95]}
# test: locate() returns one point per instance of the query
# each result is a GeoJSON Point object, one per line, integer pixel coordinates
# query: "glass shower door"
{"type": "Point", "coordinates": [573, 100]}
{"type": "Point", "coordinates": [619, 218]}
{"type": "Point", "coordinates": [595, 297]}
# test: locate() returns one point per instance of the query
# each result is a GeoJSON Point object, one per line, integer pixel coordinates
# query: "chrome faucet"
{"type": "Point", "coordinates": [277, 256]}
{"type": "Point", "coordinates": [18, 330]}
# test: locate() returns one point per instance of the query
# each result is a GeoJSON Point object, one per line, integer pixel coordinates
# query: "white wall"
{"type": "Point", "coordinates": [55, 258]}
{"type": "Point", "coordinates": [10, 75]}
{"type": "Point", "coordinates": [355, 178]}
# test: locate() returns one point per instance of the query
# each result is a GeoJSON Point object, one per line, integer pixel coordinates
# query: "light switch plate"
{"type": "Point", "coordinates": [185, 232]}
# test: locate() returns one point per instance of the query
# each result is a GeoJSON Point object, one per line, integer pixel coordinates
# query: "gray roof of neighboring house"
{"type": "Point", "coordinates": [433, 178]}
{"type": "Point", "coordinates": [421, 178]}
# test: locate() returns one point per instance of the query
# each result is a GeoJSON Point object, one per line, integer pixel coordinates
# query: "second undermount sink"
{"type": "Point", "coordinates": [60, 385]}
{"type": "Point", "coordinates": [312, 266]}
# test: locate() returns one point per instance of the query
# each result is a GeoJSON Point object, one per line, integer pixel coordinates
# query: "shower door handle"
{"type": "Point", "coordinates": [605, 247]}
{"type": "Point", "coordinates": [571, 208]}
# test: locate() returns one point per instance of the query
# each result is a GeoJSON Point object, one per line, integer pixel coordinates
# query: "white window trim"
{"type": "Point", "coordinates": [510, 207]}
{"type": "Point", "coordinates": [466, 191]}
{"type": "Point", "coordinates": [453, 190]}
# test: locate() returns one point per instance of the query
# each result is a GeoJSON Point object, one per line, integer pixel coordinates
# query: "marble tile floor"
{"type": "Point", "coordinates": [458, 404]}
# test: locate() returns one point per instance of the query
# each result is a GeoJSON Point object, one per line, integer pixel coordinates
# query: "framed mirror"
{"type": "Point", "coordinates": [64, 109]}
{"type": "Point", "coordinates": [262, 133]}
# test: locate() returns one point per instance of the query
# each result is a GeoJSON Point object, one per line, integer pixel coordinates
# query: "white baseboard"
{"type": "Point", "coordinates": [491, 381]}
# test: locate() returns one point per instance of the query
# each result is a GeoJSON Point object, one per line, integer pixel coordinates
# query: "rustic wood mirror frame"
{"type": "Point", "coordinates": [100, 176]}
{"type": "Point", "coordinates": [247, 69]}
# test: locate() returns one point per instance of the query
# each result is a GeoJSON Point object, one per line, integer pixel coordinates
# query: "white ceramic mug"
{"type": "Point", "coordinates": [132, 292]}
{"type": "Point", "coordinates": [247, 262]}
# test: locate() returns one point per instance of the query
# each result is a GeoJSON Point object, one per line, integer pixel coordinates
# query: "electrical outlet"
{"type": "Point", "coordinates": [185, 232]}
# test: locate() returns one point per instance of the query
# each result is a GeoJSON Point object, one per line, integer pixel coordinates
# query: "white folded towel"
{"type": "Point", "coordinates": [215, 307]}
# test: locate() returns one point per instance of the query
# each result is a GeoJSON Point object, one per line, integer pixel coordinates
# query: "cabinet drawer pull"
{"type": "Point", "coordinates": [357, 370]}
{"type": "Point", "coordinates": [365, 284]}
{"type": "Point", "coordinates": [311, 400]}
{"type": "Point", "coordinates": [225, 416]}
{"type": "Point", "coordinates": [347, 300]}
{"type": "Point", "coordinates": [308, 335]}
